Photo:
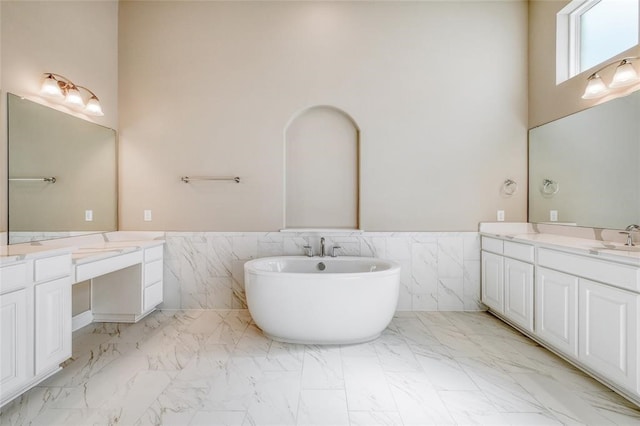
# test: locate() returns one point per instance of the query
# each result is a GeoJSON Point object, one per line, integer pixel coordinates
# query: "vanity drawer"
{"type": "Point", "coordinates": [519, 251]}
{"type": "Point", "coordinates": [153, 253]}
{"type": "Point", "coordinates": [152, 272]}
{"type": "Point", "coordinates": [607, 272]}
{"type": "Point", "coordinates": [14, 276]}
{"type": "Point", "coordinates": [152, 296]}
{"type": "Point", "coordinates": [492, 244]}
{"type": "Point", "coordinates": [52, 267]}
{"type": "Point", "coordinates": [90, 270]}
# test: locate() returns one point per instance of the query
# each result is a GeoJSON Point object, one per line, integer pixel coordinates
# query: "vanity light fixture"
{"type": "Point", "coordinates": [56, 86]}
{"type": "Point", "coordinates": [625, 75]}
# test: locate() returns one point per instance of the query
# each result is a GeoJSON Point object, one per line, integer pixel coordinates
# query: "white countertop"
{"type": "Point", "coordinates": [606, 250]}
{"type": "Point", "coordinates": [82, 250]}
{"type": "Point", "coordinates": [18, 252]}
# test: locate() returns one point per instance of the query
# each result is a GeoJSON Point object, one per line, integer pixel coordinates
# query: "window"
{"type": "Point", "coordinates": [590, 32]}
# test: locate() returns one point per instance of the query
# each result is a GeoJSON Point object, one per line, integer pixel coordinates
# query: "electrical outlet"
{"type": "Point", "coordinates": [147, 216]}
{"type": "Point", "coordinates": [500, 215]}
{"type": "Point", "coordinates": [553, 215]}
{"type": "Point", "coordinates": [88, 215]}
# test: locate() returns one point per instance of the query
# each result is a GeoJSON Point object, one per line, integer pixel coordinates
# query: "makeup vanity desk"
{"type": "Point", "coordinates": [126, 278]}
{"type": "Point", "coordinates": [35, 298]}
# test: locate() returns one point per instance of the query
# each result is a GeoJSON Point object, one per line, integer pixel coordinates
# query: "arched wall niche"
{"type": "Point", "coordinates": [322, 151]}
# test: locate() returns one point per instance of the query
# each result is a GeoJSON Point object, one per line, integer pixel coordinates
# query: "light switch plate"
{"type": "Point", "coordinates": [88, 215]}
{"type": "Point", "coordinates": [553, 215]}
{"type": "Point", "coordinates": [147, 216]}
{"type": "Point", "coordinates": [500, 216]}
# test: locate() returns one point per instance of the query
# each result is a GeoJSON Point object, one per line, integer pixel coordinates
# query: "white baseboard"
{"type": "Point", "coordinates": [81, 320]}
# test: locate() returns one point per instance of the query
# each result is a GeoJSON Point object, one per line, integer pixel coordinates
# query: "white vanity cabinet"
{"type": "Point", "coordinates": [35, 314]}
{"type": "Point", "coordinates": [507, 280]}
{"type": "Point", "coordinates": [493, 281]}
{"type": "Point", "coordinates": [518, 292]}
{"type": "Point", "coordinates": [607, 307]}
{"type": "Point", "coordinates": [556, 301]}
{"type": "Point", "coordinates": [609, 332]}
{"type": "Point", "coordinates": [16, 335]}
{"type": "Point", "coordinates": [35, 299]}
{"type": "Point", "coordinates": [587, 305]}
{"type": "Point", "coordinates": [52, 323]}
{"type": "Point", "coordinates": [152, 278]}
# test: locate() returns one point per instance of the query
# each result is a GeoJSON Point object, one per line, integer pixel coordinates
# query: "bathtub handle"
{"type": "Point", "coordinates": [309, 250]}
{"type": "Point", "coordinates": [333, 251]}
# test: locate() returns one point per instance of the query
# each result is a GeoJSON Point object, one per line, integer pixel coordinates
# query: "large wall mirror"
{"type": "Point", "coordinates": [62, 174]}
{"type": "Point", "coordinates": [584, 169]}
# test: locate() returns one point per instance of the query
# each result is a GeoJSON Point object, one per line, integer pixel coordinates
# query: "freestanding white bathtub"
{"type": "Point", "coordinates": [322, 300]}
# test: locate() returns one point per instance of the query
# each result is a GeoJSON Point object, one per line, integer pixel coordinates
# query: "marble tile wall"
{"type": "Point", "coordinates": [440, 270]}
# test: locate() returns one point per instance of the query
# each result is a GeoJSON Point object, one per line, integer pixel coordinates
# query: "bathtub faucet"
{"type": "Point", "coordinates": [309, 250]}
{"type": "Point", "coordinates": [322, 247]}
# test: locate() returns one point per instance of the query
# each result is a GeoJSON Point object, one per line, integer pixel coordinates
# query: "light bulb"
{"type": "Point", "coordinates": [595, 88]}
{"type": "Point", "coordinates": [625, 75]}
{"type": "Point", "coordinates": [73, 98]}
{"type": "Point", "coordinates": [51, 88]}
{"type": "Point", "coordinates": [93, 107]}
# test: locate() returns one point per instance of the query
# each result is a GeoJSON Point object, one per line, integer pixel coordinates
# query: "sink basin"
{"type": "Point", "coordinates": [623, 248]}
{"type": "Point", "coordinates": [627, 248]}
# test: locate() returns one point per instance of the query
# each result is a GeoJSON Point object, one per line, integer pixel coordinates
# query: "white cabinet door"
{"type": "Point", "coordinates": [493, 281]}
{"type": "Point", "coordinates": [518, 292]}
{"type": "Point", "coordinates": [609, 332]}
{"type": "Point", "coordinates": [557, 310]}
{"type": "Point", "coordinates": [152, 296]}
{"type": "Point", "coordinates": [15, 335]}
{"type": "Point", "coordinates": [53, 324]}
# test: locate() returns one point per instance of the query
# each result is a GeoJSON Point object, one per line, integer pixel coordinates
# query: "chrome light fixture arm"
{"type": "Point", "coordinates": [59, 86]}
{"type": "Point", "coordinates": [63, 82]}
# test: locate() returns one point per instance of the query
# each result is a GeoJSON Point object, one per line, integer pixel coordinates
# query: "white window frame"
{"type": "Point", "coordinates": [568, 36]}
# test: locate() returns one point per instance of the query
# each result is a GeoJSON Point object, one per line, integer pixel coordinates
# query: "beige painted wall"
{"type": "Point", "coordinates": [207, 88]}
{"type": "Point", "coordinates": [221, 80]}
{"type": "Point", "coordinates": [77, 39]}
{"type": "Point", "coordinates": [548, 101]}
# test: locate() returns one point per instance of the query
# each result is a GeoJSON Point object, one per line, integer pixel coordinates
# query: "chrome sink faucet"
{"type": "Point", "coordinates": [322, 247]}
{"type": "Point", "coordinates": [629, 231]}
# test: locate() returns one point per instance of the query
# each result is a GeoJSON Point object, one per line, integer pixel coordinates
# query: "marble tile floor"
{"type": "Point", "coordinates": [216, 368]}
